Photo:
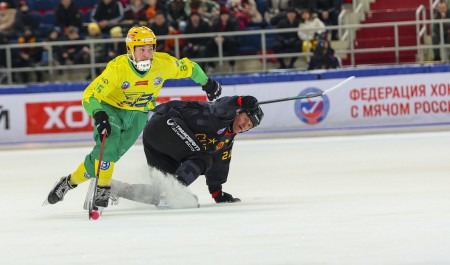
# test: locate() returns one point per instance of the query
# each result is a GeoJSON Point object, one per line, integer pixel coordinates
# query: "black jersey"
{"type": "Point", "coordinates": [211, 123]}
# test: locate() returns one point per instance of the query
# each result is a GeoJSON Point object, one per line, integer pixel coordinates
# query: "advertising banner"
{"type": "Point", "coordinates": [361, 104]}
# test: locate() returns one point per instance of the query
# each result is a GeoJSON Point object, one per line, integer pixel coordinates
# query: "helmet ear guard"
{"type": "Point", "coordinates": [255, 115]}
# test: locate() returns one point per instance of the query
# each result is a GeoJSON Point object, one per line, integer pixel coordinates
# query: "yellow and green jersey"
{"type": "Point", "coordinates": [122, 86]}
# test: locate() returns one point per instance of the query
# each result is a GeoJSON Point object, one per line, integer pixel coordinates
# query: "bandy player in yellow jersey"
{"type": "Point", "coordinates": [119, 100]}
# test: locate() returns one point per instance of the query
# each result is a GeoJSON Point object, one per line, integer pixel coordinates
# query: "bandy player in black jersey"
{"type": "Point", "coordinates": [186, 139]}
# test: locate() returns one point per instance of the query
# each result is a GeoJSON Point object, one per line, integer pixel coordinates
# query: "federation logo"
{"type": "Point", "coordinates": [125, 85]}
{"type": "Point", "coordinates": [312, 110]}
{"type": "Point", "coordinates": [157, 81]}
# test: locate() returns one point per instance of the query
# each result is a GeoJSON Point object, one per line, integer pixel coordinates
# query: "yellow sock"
{"type": "Point", "coordinates": [106, 171]}
{"type": "Point", "coordinates": [78, 176]}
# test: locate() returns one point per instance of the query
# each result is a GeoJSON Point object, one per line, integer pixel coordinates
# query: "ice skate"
{"type": "Point", "coordinates": [59, 191]}
{"type": "Point", "coordinates": [102, 197]}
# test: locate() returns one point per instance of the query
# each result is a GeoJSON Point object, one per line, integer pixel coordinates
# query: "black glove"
{"type": "Point", "coordinates": [249, 102]}
{"type": "Point", "coordinates": [220, 196]}
{"type": "Point", "coordinates": [212, 88]}
{"type": "Point", "coordinates": [102, 123]}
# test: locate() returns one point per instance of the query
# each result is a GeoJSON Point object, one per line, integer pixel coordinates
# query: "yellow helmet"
{"type": "Point", "coordinates": [138, 36]}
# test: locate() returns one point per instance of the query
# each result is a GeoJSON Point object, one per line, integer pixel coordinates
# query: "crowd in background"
{"type": "Point", "coordinates": [30, 21]}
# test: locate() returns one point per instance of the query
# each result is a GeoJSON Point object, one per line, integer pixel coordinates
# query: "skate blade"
{"type": "Point", "coordinates": [46, 199]}
{"type": "Point", "coordinates": [45, 202]}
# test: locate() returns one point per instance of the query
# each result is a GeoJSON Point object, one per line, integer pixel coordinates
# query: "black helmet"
{"type": "Point", "coordinates": [255, 115]}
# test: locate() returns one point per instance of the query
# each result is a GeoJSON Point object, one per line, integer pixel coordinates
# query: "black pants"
{"type": "Point", "coordinates": [171, 147]}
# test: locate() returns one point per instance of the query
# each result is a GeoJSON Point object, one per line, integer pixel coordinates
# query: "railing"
{"type": "Point", "coordinates": [349, 49]}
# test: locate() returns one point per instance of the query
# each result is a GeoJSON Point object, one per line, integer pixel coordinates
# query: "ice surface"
{"type": "Point", "coordinates": [381, 199]}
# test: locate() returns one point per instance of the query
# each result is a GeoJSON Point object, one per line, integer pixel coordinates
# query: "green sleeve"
{"type": "Point", "coordinates": [91, 105]}
{"type": "Point", "coordinates": [198, 75]}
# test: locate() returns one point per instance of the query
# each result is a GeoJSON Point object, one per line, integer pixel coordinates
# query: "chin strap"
{"type": "Point", "coordinates": [142, 66]}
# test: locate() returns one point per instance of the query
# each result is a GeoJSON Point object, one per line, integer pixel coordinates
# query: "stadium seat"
{"type": "Point", "coordinates": [85, 3]}
{"type": "Point", "coordinates": [49, 18]}
{"type": "Point", "coordinates": [250, 43]}
{"type": "Point", "coordinates": [37, 19]}
{"type": "Point", "coordinates": [44, 5]}
{"type": "Point", "coordinates": [87, 16]}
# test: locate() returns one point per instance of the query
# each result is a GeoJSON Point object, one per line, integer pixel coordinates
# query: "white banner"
{"type": "Point", "coordinates": [361, 104]}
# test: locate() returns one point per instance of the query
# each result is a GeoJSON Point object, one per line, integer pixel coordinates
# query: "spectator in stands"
{"type": "Point", "coordinates": [176, 15]}
{"type": "Point", "coordinates": [254, 16]}
{"type": "Point", "coordinates": [57, 51]}
{"type": "Point", "coordinates": [276, 11]}
{"type": "Point", "coordinates": [246, 12]}
{"type": "Point", "coordinates": [135, 13]}
{"type": "Point", "coordinates": [27, 56]}
{"type": "Point", "coordinates": [328, 11]}
{"type": "Point", "coordinates": [68, 15]}
{"type": "Point", "coordinates": [7, 17]}
{"type": "Point", "coordinates": [153, 6]}
{"type": "Point", "coordinates": [125, 3]}
{"type": "Point", "coordinates": [230, 44]}
{"type": "Point", "coordinates": [94, 33]}
{"type": "Point", "coordinates": [323, 57]}
{"type": "Point", "coordinates": [3, 40]}
{"type": "Point", "coordinates": [107, 14]}
{"type": "Point", "coordinates": [195, 47]}
{"type": "Point", "coordinates": [10, 3]}
{"type": "Point", "coordinates": [115, 48]}
{"type": "Point", "coordinates": [72, 52]}
{"type": "Point", "coordinates": [160, 27]}
{"type": "Point", "coordinates": [288, 42]}
{"type": "Point", "coordinates": [310, 29]}
{"type": "Point", "coordinates": [169, 45]}
{"type": "Point", "coordinates": [442, 13]}
{"type": "Point", "coordinates": [278, 8]}
{"type": "Point", "coordinates": [207, 9]}
{"type": "Point", "coordinates": [24, 19]}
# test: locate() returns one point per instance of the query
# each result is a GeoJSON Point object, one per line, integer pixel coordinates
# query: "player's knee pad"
{"type": "Point", "coordinates": [190, 169]}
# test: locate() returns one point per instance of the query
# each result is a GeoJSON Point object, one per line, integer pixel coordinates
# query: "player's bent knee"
{"type": "Point", "coordinates": [190, 169]}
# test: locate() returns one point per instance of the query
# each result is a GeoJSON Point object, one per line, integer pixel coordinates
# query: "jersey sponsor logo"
{"type": "Point", "coordinates": [312, 110]}
{"type": "Point", "coordinates": [137, 99]}
{"type": "Point", "coordinates": [221, 130]}
{"type": "Point", "coordinates": [57, 117]}
{"type": "Point", "coordinates": [183, 135]}
{"type": "Point", "coordinates": [147, 39]}
{"type": "Point", "coordinates": [141, 83]}
{"type": "Point", "coordinates": [171, 122]}
{"type": "Point", "coordinates": [157, 81]}
{"type": "Point", "coordinates": [125, 85]}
